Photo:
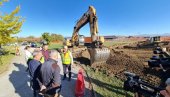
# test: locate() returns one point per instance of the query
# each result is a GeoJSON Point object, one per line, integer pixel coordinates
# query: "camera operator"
{"type": "Point", "coordinates": [166, 92]}
{"type": "Point", "coordinates": [141, 88]}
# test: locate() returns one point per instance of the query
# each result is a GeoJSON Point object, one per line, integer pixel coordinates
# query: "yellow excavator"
{"type": "Point", "coordinates": [98, 53]}
{"type": "Point", "coordinates": [151, 42]}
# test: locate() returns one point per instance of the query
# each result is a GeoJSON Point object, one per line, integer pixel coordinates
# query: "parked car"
{"type": "Point", "coordinates": [24, 43]}
{"type": "Point", "coordinates": [33, 44]}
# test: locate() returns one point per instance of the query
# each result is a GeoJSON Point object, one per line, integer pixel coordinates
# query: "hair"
{"type": "Point", "coordinates": [65, 47]}
{"type": "Point", "coordinates": [59, 50]}
{"type": "Point", "coordinates": [26, 48]}
{"type": "Point", "coordinates": [36, 52]}
{"type": "Point", "coordinates": [44, 45]}
{"type": "Point", "coordinates": [53, 53]}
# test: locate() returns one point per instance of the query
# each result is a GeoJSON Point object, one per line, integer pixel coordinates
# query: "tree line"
{"type": "Point", "coordinates": [46, 36]}
{"type": "Point", "coordinates": [52, 37]}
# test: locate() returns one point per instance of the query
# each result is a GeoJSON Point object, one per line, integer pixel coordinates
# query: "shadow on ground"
{"type": "Point", "coordinates": [68, 87]}
{"type": "Point", "coordinates": [19, 78]}
{"type": "Point", "coordinates": [83, 60]}
{"type": "Point", "coordinates": [13, 53]}
{"type": "Point", "coordinates": [112, 88]}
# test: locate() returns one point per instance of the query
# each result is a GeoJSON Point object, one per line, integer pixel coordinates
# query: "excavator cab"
{"type": "Point", "coordinates": [154, 39]}
{"type": "Point", "coordinates": [80, 40]}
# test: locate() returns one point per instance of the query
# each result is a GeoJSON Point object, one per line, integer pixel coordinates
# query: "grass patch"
{"type": "Point", "coordinates": [105, 86]}
{"type": "Point", "coordinates": [55, 45]}
{"type": "Point", "coordinates": [6, 58]}
{"type": "Point", "coordinates": [116, 43]}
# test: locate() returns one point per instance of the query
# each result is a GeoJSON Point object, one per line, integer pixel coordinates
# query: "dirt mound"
{"type": "Point", "coordinates": [119, 62]}
{"type": "Point", "coordinates": [126, 60]}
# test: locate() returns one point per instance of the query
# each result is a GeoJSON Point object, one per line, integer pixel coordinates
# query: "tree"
{"type": "Point", "coordinates": [60, 38]}
{"type": "Point", "coordinates": [9, 24]}
{"type": "Point", "coordinates": [57, 37]}
{"type": "Point", "coordinates": [2, 1]}
{"type": "Point", "coordinates": [31, 37]}
{"type": "Point", "coordinates": [47, 37]}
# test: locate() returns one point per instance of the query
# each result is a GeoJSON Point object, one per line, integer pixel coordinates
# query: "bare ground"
{"type": "Point", "coordinates": [132, 60]}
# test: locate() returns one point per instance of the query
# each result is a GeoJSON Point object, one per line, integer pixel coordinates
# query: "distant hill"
{"type": "Point", "coordinates": [151, 35]}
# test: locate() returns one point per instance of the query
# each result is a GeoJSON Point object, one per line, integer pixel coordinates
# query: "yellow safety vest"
{"type": "Point", "coordinates": [66, 58]}
{"type": "Point", "coordinates": [42, 60]}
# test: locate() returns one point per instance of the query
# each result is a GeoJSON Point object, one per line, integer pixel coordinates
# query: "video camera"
{"type": "Point", "coordinates": [160, 60]}
{"type": "Point", "coordinates": [136, 85]}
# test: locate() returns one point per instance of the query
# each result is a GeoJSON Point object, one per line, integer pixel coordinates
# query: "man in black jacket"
{"type": "Point", "coordinates": [51, 78]}
{"type": "Point", "coordinates": [34, 67]}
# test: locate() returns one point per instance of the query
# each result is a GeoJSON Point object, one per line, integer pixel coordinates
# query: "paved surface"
{"type": "Point", "coordinates": [15, 82]}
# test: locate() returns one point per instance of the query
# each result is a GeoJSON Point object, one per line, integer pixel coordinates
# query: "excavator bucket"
{"type": "Point", "coordinates": [98, 55]}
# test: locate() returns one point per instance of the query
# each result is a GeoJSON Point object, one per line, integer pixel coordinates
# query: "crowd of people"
{"type": "Point", "coordinates": [45, 69]}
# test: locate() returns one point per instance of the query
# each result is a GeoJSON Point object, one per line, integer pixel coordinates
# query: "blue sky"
{"type": "Point", "coordinates": [115, 17]}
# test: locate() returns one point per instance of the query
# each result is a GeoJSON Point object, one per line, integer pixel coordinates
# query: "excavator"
{"type": "Point", "coordinates": [98, 53]}
{"type": "Point", "coordinates": [152, 42]}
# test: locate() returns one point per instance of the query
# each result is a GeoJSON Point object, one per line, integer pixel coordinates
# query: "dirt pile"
{"type": "Point", "coordinates": [120, 62]}
{"type": "Point", "coordinates": [126, 60]}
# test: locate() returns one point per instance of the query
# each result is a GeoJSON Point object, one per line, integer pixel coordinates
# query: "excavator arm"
{"type": "Point", "coordinates": [98, 53]}
{"type": "Point", "coordinates": [91, 18]}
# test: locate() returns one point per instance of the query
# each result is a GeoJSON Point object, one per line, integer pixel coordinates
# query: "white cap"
{"type": "Point", "coordinates": [168, 81]}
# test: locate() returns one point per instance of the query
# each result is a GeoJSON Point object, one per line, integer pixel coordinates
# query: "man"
{"type": "Point", "coordinates": [50, 72]}
{"type": "Point", "coordinates": [34, 69]}
{"type": "Point", "coordinates": [67, 60]}
{"type": "Point", "coordinates": [45, 52]}
{"type": "Point", "coordinates": [59, 60]}
{"type": "Point", "coordinates": [28, 53]}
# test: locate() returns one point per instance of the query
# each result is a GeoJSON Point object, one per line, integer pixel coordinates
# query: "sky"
{"type": "Point", "coordinates": [115, 17]}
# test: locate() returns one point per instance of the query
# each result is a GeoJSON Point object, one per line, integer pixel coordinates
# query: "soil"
{"type": "Point", "coordinates": [131, 60]}
{"type": "Point", "coordinates": [134, 61]}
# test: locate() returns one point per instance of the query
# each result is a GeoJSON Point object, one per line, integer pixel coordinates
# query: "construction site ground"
{"type": "Point", "coordinates": [132, 59]}
{"type": "Point", "coordinates": [135, 61]}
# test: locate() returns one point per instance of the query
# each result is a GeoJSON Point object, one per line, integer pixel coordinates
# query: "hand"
{"type": "Point", "coordinates": [43, 87]}
{"type": "Point", "coordinates": [164, 93]}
